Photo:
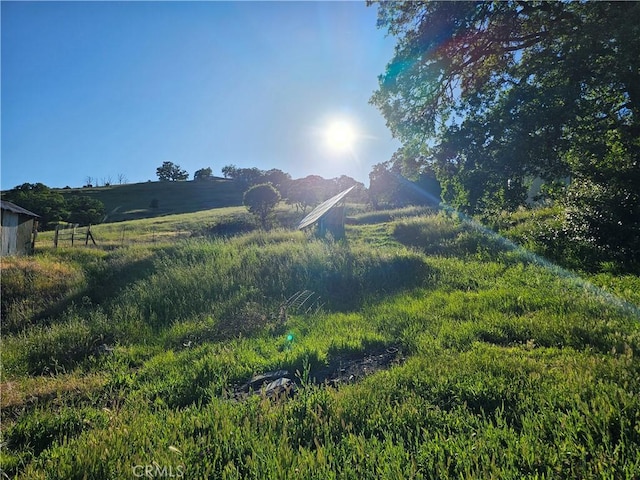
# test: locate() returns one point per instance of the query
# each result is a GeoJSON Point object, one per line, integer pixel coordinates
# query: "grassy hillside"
{"type": "Point", "coordinates": [131, 201]}
{"type": "Point", "coordinates": [122, 361]}
{"type": "Point", "coordinates": [216, 222]}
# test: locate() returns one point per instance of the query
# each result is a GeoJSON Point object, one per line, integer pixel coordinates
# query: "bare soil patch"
{"type": "Point", "coordinates": [342, 369]}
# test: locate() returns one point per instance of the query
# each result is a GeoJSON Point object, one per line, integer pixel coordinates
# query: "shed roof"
{"type": "Point", "coordinates": [12, 207]}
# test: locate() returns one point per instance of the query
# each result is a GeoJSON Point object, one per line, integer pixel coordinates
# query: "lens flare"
{"type": "Point", "coordinates": [340, 136]}
{"type": "Point", "coordinates": [572, 278]}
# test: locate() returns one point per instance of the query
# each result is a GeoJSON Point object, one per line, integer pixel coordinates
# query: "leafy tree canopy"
{"type": "Point", "coordinates": [388, 187]}
{"type": "Point", "coordinates": [85, 210]}
{"type": "Point", "coordinates": [245, 176]}
{"type": "Point", "coordinates": [170, 172]}
{"type": "Point", "coordinates": [277, 178]}
{"type": "Point", "coordinates": [53, 207]}
{"type": "Point", "coordinates": [495, 93]}
{"type": "Point", "coordinates": [314, 189]}
{"type": "Point", "coordinates": [203, 174]}
{"type": "Point", "coordinates": [260, 200]}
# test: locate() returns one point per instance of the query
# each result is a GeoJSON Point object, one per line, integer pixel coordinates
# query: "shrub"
{"type": "Point", "coordinates": [260, 200]}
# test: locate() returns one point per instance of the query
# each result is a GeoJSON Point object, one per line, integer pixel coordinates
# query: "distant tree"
{"type": "Point", "coordinates": [41, 200]}
{"type": "Point", "coordinates": [389, 188]}
{"type": "Point", "coordinates": [171, 172]}
{"type": "Point", "coordinates": [229, 171]}
{"type": "Point", "coordinates": [203, 174]}
{"type": "Point", "coordinates": [246, 177]}
{"type": "Point", "coordinates": [88, 182]}
{"type": "Point", "coordinates": [384, 186]}
{"type": "Point", "coordinates": [277, 178]}
{"type": "Point", "coordinates": [305, 192]}
{"type": "Point", "coordinates": [52, 207]}
{"type": "Point", "coordinates": [344, 181]}
{"type": "Point", "coordinates": [260, 200]}
{"type": "Point", "coordinates": [85, 210]}
{"type": "Point", "coordinates": [122, 179]}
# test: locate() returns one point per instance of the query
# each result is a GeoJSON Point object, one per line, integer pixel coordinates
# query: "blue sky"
{"type": "Point", "coordinates": [102, 89]}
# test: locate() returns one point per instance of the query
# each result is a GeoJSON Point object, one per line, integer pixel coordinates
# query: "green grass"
{"type": "Point", "coordinates": [511, 370]}
{"type": "Point", "coordinates": [133, 201]}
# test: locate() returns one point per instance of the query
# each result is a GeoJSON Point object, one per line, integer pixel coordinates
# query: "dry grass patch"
{"type": "Point", "coordinates": [28, 390]}
{"type": "Point", "coordinates": [31, 285]}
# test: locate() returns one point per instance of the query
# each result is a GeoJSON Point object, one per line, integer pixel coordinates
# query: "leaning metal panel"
{"type": "Point", "coordinates": [321, 210]}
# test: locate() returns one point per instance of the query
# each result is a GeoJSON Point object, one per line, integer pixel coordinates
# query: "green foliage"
{"type": "Point", "coordinates": [203, 174]}
{"type": "Point", "coordinates": [490, 94]}
{"type": "Point", "coordinates": [41, 200]}
{"type": "Point", "coordinates": [52, 207]}
{"type": "Point", "coordinates": [170, 172]}
{"type": "Point", "coordinates": [506, 368]}
{"type": "Point", "coordinates": [381, 216]}
{"type": "Point", "coordinates": [441, 235]}
{"type": "Point", "coordinates": [85, 210]}
{"type": "Point", "coordinates": [557, 235]}
{"type": "Point", "coordinates": [41, 428]}
{"type": "Point", "coordinates": [261, 200]}
{"type": "Point", "coordinates": [389, 188]}
{"type": "Point", "coordinates": [246, 177]}
{"type": "Point", "coordinates": [306, 192]}
{"type": "Point", "coordinates": [603, 203]}
{"type": "Point", "coordinates": [313, 189]}
{"type": "Point", "coordinates": [136, 200]}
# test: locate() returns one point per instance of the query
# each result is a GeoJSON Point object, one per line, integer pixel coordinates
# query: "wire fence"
{"type": "Point", "coordinates": [108, 236]}
{"type": "Point", "coordinates": [74, 234]}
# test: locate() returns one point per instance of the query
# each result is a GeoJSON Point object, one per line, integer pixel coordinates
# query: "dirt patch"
{"type": "Point", "coordinates": [342, 369]}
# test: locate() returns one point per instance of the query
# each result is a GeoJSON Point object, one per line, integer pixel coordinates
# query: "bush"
{"type": "Point", "coordinates": [441, 235]}
{"type": "Point", "coordinates": [261, 200]}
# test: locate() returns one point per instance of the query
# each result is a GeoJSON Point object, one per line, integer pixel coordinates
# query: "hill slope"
{"type": "Point", "coordinates": [152, 199]}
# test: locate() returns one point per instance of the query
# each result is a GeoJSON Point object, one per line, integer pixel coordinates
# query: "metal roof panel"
{"type": "Point", "coordinates": [321, 210]}
{"type": "Point", "coordinates": [12, 207]}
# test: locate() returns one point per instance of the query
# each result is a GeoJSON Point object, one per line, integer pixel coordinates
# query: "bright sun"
{"type": "Point", "coordinates": [340, 136]}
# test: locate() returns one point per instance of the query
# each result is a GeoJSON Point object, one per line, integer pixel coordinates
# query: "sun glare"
{"type": "Point", "coordinates": [340, 136]}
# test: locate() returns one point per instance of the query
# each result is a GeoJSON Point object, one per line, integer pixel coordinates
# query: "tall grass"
{"type": "Point", "coordinates": [240, 284]}
{"type": "Point", "coordinates": [510, 371]}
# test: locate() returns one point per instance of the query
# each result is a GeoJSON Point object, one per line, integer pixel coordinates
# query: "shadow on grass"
{"type": "Point", "coordinates": [103, 287]}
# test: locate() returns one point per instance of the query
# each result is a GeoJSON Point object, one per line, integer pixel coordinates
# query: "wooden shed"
{"type": "Point", "coordinates": [18, 230]}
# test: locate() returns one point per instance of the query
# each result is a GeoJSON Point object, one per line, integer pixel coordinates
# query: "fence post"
{"type": "Point", "coordinates": [89, 234]}
{"type": "Point", "coordinates": [55, 237]}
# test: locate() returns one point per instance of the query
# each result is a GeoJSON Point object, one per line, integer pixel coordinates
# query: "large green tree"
{"type": "Point", "coordinates": [41, 200]}
{"type": "Point", "coordinates": [494, 93]}
{"type": "Point", "coordinates": [261, 200]}
{"type": "Point", "coordinates": [170, 172]}
{"type": "Point", "coordinates": [53, 207]}
{"type": "Point", "coordinates": [85, 210]}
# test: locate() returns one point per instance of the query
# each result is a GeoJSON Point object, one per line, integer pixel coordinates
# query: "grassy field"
{"type": "Point", "coordinates": [154, 199]}
{"type": "Point", "coordinates": [120, 361]}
